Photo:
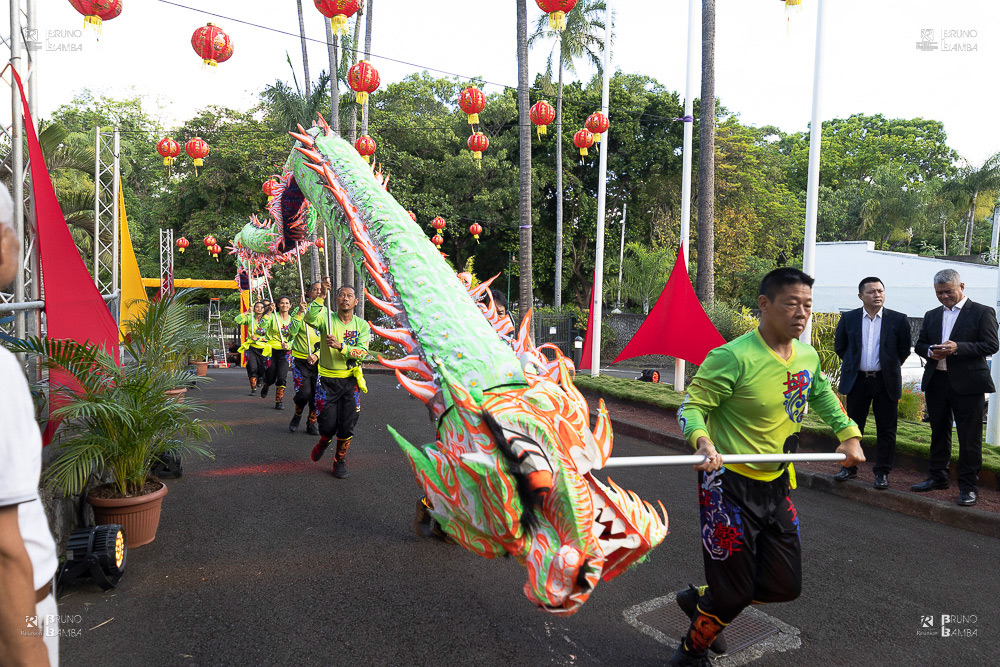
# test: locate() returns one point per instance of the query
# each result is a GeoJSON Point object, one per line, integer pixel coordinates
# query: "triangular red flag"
{"type": "Point", "coordinates": [588, 338]}
{"type": "Point", "coordinates": [677, 326]}
{"type": "Point", "coordinates": [74, 308]}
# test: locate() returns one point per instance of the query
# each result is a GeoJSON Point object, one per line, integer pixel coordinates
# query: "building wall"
{"type": "Point", "coordinates": [908, 278]}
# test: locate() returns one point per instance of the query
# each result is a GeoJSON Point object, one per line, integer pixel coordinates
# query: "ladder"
{"type": "Point", "coordinates": [216, 337]}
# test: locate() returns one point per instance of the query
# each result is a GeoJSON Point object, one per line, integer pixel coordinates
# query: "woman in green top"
{"type": "Point", "coordinates": [279, 336]}
{"type": "Point", "coordinates": [256, 323]}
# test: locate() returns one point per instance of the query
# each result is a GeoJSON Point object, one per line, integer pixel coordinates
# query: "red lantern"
{"type": "Point", "coordinates": [215, 250]}
{"type": "Point", "coordinates": [583, 139]}
{"type": "Point", "coordinates": [212, 44]}
{"type": "Point", "coordinates": [169, 149]}
{"type": "Point", "coordinates": [366, 146]}
{"type": "Point", "coordinates": [197, 148]}
{"type": "Point", "coordinates": [320, 244]}
{"type": "Point", "coordinates": [597, 123]}
{"type": "Point", "coordinates": [541, 114]}
{"type": "Point", "coordinates": [363, 80]}
{"type": "Point", "coordinates": [413, 216]}
{"type": "Point", "coordinates": [437, 240]}
{"type": "Point", "coordinates": [338, 11]}
{"type": "Point", "coordinates": [438, 223]}
{"type": "Point", "coordinates": [96, 11]}
{"type": "Point", "coordinates": [556, 9]}
{"type": "Point", "coordinates": [472, 102]}
{"type": "Point", "coordinates": [475, 229]}
{"type": "Point", "coordinates": [182, 243]}
{"type": "Point", "coordinates": [209, 242]}
{"type": "Point", "coordinates": [477, 144]}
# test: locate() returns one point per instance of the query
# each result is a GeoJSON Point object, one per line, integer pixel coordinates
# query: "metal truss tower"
{"type": "Point", "coordinates": [167, 260]}
{"type": "Point", "coordinates": [107, 173]}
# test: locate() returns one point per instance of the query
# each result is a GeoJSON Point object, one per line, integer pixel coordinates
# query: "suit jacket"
{"type": "Point", "coordinates": [893, 349]}
{"type": "Point", "coordinates": [975, 334]}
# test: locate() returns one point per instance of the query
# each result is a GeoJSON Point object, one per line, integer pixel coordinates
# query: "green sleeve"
{"type": "Point", "coordinates": [712, 385]}
{"type": "Point", "coordinates": [294, 326]}
{"type": "Point", "coordinates": [829, 409]}
{"type": "Point", "coordinates": [316, 316]}
{"type": "Point", "coordinates": [359, 351]}
{"type": "Point", "coordinates": [244, 318]}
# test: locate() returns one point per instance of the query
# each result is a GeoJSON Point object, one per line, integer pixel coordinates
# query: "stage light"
{"type": "Point", "coordinates": [98, 553]}
{"type": "Point", "coordinates": [649, 375]}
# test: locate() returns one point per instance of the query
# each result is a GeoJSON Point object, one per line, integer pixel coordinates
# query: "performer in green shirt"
{"type": "Point", "coordinates": [279, 337]}
{"type": "Point", "coordinates": [749, 397]}
{"type": "Point", "coordinates": [255, 345]}
{"type": "Point", "coordinates": [306, 342]}
{"type": "Point", "coordinates": [338, 396]}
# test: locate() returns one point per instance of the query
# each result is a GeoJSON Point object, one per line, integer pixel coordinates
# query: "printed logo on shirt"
{"type": "Point", "coordinates": [796, 392]}
{"type": "Point", "coordinates": [351, 337]}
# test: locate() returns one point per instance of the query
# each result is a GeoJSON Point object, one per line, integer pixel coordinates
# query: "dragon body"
{"type": "Point", "coordinates": [511, 469]}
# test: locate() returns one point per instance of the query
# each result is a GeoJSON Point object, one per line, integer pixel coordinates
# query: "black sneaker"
{"type": "Point", "coordinates": [340, 469]}
{"type": "Point", "coordinates": [279, 406]}
{"type": "Point", "coordinates": [312, 428]}
{"type": "Point", "coordinates": [685, 657]}
{"type": "Point", "coordinates": [687, 600]}
{"type": "Point", "coordinates": [263, 390]}
{"type": "Point", "coordinates": [294, 424]}
{"type": "Point", "coordinates": [317, 452]}
{"type": "Point", "coordinates": [253, 391]}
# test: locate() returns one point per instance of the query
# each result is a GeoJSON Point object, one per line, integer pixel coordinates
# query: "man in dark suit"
{"type": "Point", "coordinates": [873, 342]}
{"type": "Point", "coordinates": [956, 339]}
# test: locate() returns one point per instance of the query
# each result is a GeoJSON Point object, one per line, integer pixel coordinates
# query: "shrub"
{"type": "Point", "coordinates": [824, 326]}
{"type": "Point", "coordinates": [911, 404]}
{"type": "Point", "coordinates": [730, 319]}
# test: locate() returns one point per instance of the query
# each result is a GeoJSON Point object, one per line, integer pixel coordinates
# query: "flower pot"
{"type": "Point", "coordinates": [176, 394]}
{"type": "Point", "coordinates": [139, 516]}
{"type": "Point", "coordinates": [200, 368]}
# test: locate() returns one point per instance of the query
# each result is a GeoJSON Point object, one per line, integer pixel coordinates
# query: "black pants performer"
{"type": "Point", "coordinates": [942, 404]}
{"type": "Point", "coordinates": [338, 401]}
{"type": "Point", "coordinates": [869, 392]}
{"type": "Point", "coordinates": [304, 377]}
{"type": "Point", "coordinates": [751, 549]}
{"type": "Point", "coordinates": [277, 374]}
{"type": "Point", "coordinates": [255, 366]}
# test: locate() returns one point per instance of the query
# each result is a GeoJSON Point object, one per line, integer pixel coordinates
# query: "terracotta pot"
{"type": "Point", "coordinates": [139, 516]}
{"type": "Point", "coordinates": [176, 394]}
{"type": "Point", "coordinates": [200, 368]}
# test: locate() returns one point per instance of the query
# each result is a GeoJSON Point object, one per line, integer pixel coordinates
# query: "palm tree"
{"type": "Point", "coordinates": [645, 273]}
{"type": "Point", "coordinates": [302, 39]}
{"type": "Point", "coordinates": [974, 191]}
{"type": "Point", "coordinates": [525, 297]}
{"type": "Point", "coordinates": [705, 282]}
{"type": "Point", "coordinates": [580, 39]}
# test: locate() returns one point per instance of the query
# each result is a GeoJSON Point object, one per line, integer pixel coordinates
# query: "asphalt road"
{"type": "Point", "coordinates": [262, 557]}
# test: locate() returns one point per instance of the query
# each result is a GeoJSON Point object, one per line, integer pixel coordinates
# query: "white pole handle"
{"type": "Point", "coordinates": [694, 459]}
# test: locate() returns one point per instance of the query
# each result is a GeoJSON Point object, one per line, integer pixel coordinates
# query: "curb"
{"type": "Point", "coordinates": [937, 511]}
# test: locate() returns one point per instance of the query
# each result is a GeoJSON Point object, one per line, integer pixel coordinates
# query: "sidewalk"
{"type": "Point", "coordinates": [657, 426]}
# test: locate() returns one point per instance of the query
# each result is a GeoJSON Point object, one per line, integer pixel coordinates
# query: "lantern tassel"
{"type": "Point", "coordinates": [557, 21]}
{"type": "Point", "coordinates": [339, 24]}
{"type": "Point", "coordinates": [473, 119]}
{"type": "Point", "coordinates": [362, 97]}
{"type": "Point", "coordinates": [583, 152]}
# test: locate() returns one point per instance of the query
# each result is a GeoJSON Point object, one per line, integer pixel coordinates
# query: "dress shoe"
{"type": "Point", "coordinates": [687, 600]}
{"type": "Point", "coordinates": [966, 499]}
{"type": "Point", "coordinates": [881, 481]}
{"type": "Point", "coordinates": [929, 485]}
{"type": "Point", "coordinates": [846, 474]}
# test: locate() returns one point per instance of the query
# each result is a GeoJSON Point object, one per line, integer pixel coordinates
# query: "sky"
{"type": "Point", "coordinates": [764, 56]}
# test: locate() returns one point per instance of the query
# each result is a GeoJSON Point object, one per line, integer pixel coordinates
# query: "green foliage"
{"type": "Point", "coordinates": [730, 319]}
{"type": "Point", "coordinates": [824, 327]}
{"type": "Point", "coordinates": [168, 334]}
{"type": "Point", "coordinates": [911, 403]}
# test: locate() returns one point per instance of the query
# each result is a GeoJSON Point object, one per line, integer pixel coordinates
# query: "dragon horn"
{"type": "Point", "coordinates": [323, 124]}
{"type": "Point", "coordinates": [411, 363]}
{"type": "Point", "coordinates": [302, 136]}
{"type": "Point", "coordinates": [311, 154]}
{"type": "Point", "coordinates": [384, 306]}
{"type": "Point", "coordinates": [422, 390]}
{"type": "Point", "coordinates": [379, 279]}
{"type": "Point", "coordinates": [523, 344]}
{"type": "Point", "coordinates": [401, 336]}
{"type": "Point", "coordinates": [602, 432]}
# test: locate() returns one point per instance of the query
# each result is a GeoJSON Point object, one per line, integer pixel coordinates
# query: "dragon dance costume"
{"type": "Point", "coordinates": [748, 400]}
{"type": "Point", "coordinates": [341, 383]}
{"type": "Point", "coordinates": [306, 341]}
{"type": "Point", "coordinates": [256, 348]}
{"type": "Point", "coordinates": [279, 336]}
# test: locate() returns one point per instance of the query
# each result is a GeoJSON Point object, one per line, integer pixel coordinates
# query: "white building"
{"type": "Point", "coordinates": [908, 278]}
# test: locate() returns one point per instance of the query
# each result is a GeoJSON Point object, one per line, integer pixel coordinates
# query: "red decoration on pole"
{"type": "Point", "coordinates": [556, 9]}
{"type": "Point", "coordinates": [95, 12]}
{"type": "Point", "coordinates": [475, 229]}
{"type": "Point", "coordinates": [169, 149]}
{"type": "Point", "coordinates": [212, 44]}
{"type": "Point", "coordinates": [677, 326]}
{"type": "Point", "coordinates": [363, 80]}
{"type": "Point", "coordinates": [338, 11]}
{"type": "Point", "coordinates": [438, 223]}
{"type": "Point", "coordinates": [472, 102]}
{"type": "Point", "coordinates": [542, 113]}
{"type": "Point", "coordinates": [366, 146]}
{"type": "Point", "coordinates": [583, 140]}
{"type": "Point", "coordinates": [215, 250]}
{"type": "Point", "coordinates": [181, 244]}
{"type": "Point", "coordinates": [437, 240]}
{"type": "Point", "coordinates": [320, 244]}
{"type": "Point", "coordinates": [197, 148]}
{"type": "Point", "coordinates": [597, 123]}
{"type": "Point", "coordinates": [478, 143]}
{"type": "Point", "coordinates": [413, 216]}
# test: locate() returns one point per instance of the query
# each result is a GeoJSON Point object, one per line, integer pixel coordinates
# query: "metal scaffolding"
{"type": "Point", "coordinates": [107, 171]}
{"type": "Point", "coordinates": [167, 261]}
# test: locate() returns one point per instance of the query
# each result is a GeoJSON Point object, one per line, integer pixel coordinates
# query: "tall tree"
{"type": "Point", "coordinates": [705, 283]}
{"type": "Point", "coordinates": [332, 45]}
{"type": "Point", "coordinates": [302, 39]}
{"type": "Point", "coordinates": [580, 39]}
{"type": "Point", "coordinates": [974, 192]}
{"type": "Point", "coordinates": [525, 299]}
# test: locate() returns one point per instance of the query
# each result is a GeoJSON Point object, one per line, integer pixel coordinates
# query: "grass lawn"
{"type": "Point", "coordinates": [911, 437]}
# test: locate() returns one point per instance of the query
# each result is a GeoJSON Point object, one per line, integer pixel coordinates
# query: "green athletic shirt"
{"type": "Point", "coordinates": [747, 400]}
{"type": "Point", "coordinates": [354, 335]}
{"type": "Point", "coordinates": [256, 329]}
{"type": "Point", "coordinates": [304, 337]}
{"type": "Point", "coordinates": [279, 336]}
